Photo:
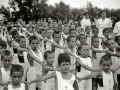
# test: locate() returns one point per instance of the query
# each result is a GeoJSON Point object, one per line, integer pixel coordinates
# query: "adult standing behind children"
{"type": "Point", "coordinates": [85, 21]}
{"type": "Point", "coordinates": [103, 22]}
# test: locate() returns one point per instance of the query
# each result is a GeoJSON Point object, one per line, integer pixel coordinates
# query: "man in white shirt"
{"type": "Point", "coordinates": [85, 21]}
{"type": "Point", "coordinates": [102, 23]}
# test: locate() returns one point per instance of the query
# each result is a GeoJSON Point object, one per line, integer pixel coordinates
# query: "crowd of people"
{"type": "Point", "coordinates": [50, 55]}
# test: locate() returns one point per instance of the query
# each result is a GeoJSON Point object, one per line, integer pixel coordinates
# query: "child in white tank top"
{"type": "Point", "coordinates": [6, 59]}
{"type": "Point", "coordinates": [65, 80]}
{"type": "Point", "coordinates": [36, 62]}
{"type": "Point", "coordinates": [83, 50]}
{"type": "Point", "coordinates": [21, 56]}
{"type": "Point", "coordinates": [48, 69]}
{"type": "Point", "coordinates": [16, 72]}
{"type": "Point", "coordinates": [72, 49]}
{"type": "Point", "coordinates": [105, 77]}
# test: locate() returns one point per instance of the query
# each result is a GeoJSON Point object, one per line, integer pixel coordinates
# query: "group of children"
{"type": "Point", "coordinates": [56, 56]}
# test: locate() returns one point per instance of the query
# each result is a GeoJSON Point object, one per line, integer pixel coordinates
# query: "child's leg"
{"type": "Point", "coordinates": [31, 75]}
{"type": "Point", "coordinates": [88, 84]}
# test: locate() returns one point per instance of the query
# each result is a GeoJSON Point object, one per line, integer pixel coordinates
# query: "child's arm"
{"type": "Point", "coordinates": [55, 44]}
{"type": "Point", "coordinates": [114, 69]}
{"type": "Point", "coordinates": [75, 85]}
{"type": "Point", "coordinates": [99, 51]}
{"type": "Point", "coordinates": [111, 53]}
{"type": "Point", "coordinates": [46, 68]}
{"type": "Point", "coordinates": [22, 49]}
{"type": "Point", "coordinates": [35, 58]}
{"type": "Point", "coordinates": [63, 36]}
{"type": "Point", "coordinates": [27, 32]}
{"type": "Point", "coordinates": [42, 78]}
{"type": "Point", "coordinates": [88, 35]}
{"type": "Point", "coordinates": [68, 52]}
{"type": "Point", "coordinates": [85, 66]}
{"type": "Point", "coordinates": [89, 76]}
{"type": "Point", "coordinates": [117, 46]}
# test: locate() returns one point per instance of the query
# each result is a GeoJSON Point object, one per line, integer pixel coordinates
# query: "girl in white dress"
{"type": "Point", "coordinates": [65, 79]}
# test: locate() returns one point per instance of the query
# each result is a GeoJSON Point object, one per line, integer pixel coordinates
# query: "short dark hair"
{"type": "Point", "coordinates": [105, 58]}
{"type": "Point", "coordinates": [9, 28]}
{"type": "Point", "coordinates": [71, 30]}
{"type": "Point", "coordinates": [86, 13]}
{"type": "Point", "coordinates": [20, 37]}
{"type": "Point", "coordinates": [46, 53]}
{"type": "Point", "coordinates": [116, 38]}
{"type": "Point", "coordinates": [16, 68]}
{"type": "Point", "coordinates": [106, 29]}
{"type": "Point", "coordinates": [55, 32]}
{"type": "Point", "coordinates": [63, 57]}
{"type": "Point", "coordinates": [3, 43]}
{"type": "Point", "coordinates": [103, 11]}
{"type": "Point", "coordinates": [33, 38]}
{"type": "Point", "coordinates": [5, 53]}
{"type": "Point", "coordinates": [95, 29]}
{"type": "Point", "coordinates": [82, 35]}
{"type": "Point", "coordinates": [14, 33]}
{"type": "Point", "coordinates": [69, 38]}
{"type": "Point", "coordinates": [108, 40]}
{"type": "Point", "coordinates": [94, 37]}
{"type": "Point", "coordinates": [87, 27]}
{"type": "Point", "coordinates": [81, 45]}
{"type": "Point", "coordinates": [42, 30]}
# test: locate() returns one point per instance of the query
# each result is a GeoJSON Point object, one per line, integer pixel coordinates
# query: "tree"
{"type": "Point", "coordinates": [5, 11]}
{"type": "Point", "coordinates": [61, 10]}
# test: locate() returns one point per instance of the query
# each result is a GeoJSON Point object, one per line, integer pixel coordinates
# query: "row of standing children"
{"type": "Point", "coordinates": [61, 52]}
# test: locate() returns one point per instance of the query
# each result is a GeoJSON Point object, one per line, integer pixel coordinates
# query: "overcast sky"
{"type": "Point", "coordinates": [80, 3]}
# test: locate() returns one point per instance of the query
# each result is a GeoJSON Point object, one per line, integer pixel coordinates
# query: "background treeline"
{"type": "Point", "coordinates": [35, 10]}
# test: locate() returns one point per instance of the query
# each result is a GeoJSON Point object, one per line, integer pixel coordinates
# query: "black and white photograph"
{"type": "Point", "coordinates": [59, 44]}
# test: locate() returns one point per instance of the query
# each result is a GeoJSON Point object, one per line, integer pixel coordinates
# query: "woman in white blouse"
{"type": "Point", "coordinates": [116, 30]}
{"type": "Point", "coordinates": [85, 21]}
{"type": "Point", "coordinates": [103, 22]}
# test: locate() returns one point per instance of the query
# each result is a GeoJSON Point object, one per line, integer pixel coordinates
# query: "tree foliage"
{"type": "Point", "coordinates": [36, 9]}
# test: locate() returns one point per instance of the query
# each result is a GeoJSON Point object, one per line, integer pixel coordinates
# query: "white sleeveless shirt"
{"type": "Point", "coordinates": [49, 45]}
{"type": "Point", "coordinates": [57, 52]}
{"type": "Point", "coordinates": [108, 81]}
{"type": "Point", "coordinates": [64, 84]}
{"type": "Point", "coordinates": [86, 61]}
{"type": "Point", "coordinates": [73, 59]}
{"type": "Point", "coordinates": [21, 88]}
{"type": "Point", "coordinates": [5, 77]}
{"type": "Point", "coordinates": [36, 64]}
